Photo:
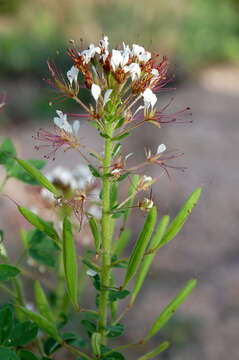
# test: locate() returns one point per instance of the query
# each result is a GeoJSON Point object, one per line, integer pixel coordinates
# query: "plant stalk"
{"type": "Point", "coordinates": [106, 236]}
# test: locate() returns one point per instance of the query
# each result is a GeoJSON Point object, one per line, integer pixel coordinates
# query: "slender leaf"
{"type": "Point", "coordinates": [171, 308]}
{"type": "Point", "coordinates": [94, 172]}
{"type": "Point", "coordinates": [70, 261]}
{"type": "Point", "coordinates": [42, 322]}
{"type": "Point", "coordinates": [40, 224]}
{"type": "Point", "coordinates": [182, 216]}
{"type": "Point", "coordinates": [7, 154]}
{"type": "Point", "coordinates": [116, 149]}
{"type": "Point", "coordinates": [42, 303]}
{"type": "Point", "coordinates": [156, 351]}
{"type": "Point", "coordinates": [30, 169]}
{"type": "Point", "coordinates": [144, 267]}
{"type": "Point", "coordinates": [140, 246]}
{"type": "Point", "coordinates": [20, 173]}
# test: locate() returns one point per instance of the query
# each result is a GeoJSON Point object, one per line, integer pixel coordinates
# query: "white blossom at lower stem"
{"type": "Point", "coordinates": [161, 149]}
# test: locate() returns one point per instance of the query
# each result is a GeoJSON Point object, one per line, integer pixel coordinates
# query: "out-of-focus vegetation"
{"type": "Point", "coordinates": [192, 32]}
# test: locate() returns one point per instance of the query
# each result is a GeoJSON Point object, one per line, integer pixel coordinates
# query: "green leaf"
{"type": "Point", "coordinates": [27, 355]}
{"type": "Point", "coordinates": [156, 351]}
{"type": "Point", "coordinates": [182, 216]}
{"type": "Point", "coordinates": [140, 246]}
{"type": "Point", "coordinates": [132, 190]}
{"type": "Point", "coordinates": [94, 172]}
{"type": "Point", "coordinates": [6, 323]}
{"type": "Point", "coordinates": [144, 267]}
{"type": "Point", "coordinates": [6, 148]}
{"type": "Point", "coordinates": [115, 330]}
{"type": "Point", "coordinates": [42, 303]}
{"type": "Point", "coordinates": [116, 149]}
{"type": "Point", "coordinates": [123, 177]}
{"type": "Point", "coordinates": [113, 194]}
{"type": "Point", "coordinates": [74, 340]}
{"type": "Point", "coordinates": [118, 294]}
{"type": "Point", "coordinates": [19, 173]}
{"type": "Point", "coordinates": [42, 322]}
{"type": "Point", "coordinates": [40, 224]}
{"type": "Point", "coordinates": [114, 356]}
{"type": "Point", "coordinates": [30, 169]}
{"type": "Point", "coordinates": [122, 242]}
{"type": "Point", "coordinates": [95, 343]}
{"type": "Point", "coordinates": [89, 325]}
{"type": "Point", "coordinates": [23, 333]}
{"type": "Point", "coordinates": [171, 308]}
{"type": "Point", "coordinates": [41, 248]}
{"type": "Point", "coordinates": [120, 137]}
{"type": "Point", "coordinates": [96, 233]}
{"type": "Point", "coordinates": [70, 261]}
{"type": "Point", "coordinates": [8, 272]}
{"type": "Point", "coordinates": [7, 354]}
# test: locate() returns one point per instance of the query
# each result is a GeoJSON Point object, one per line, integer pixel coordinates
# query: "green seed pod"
{"type": "Point", "coordinates": [38, 176]}
{"type": "Point", "coordinates": [156, 351]}
{"type": "Point", "coordinates": [42, 322]}
{"type": "Point", "coordinates": [140, 246]}
{"type": "Point", "coordinates": [182, 216]}
{"type": "Point", "coordinates": [40, 224]}
{"type": "Point", "coordinates": [96, 233]}
{"type": "Point", "coordinates": [132, 189]}
{"type": "Point", "coordinates": [171, 308]}
{"type": "Point", "coordinates": [42, 303]}
{"type": "Point", "coordinates": [95, 343]}
{"type": "Point", "coordinates": [70, 261]}
{"type": "Point", "coordinates": [144, 268]}
{"type": "Point", "coordinates": [122, 242]}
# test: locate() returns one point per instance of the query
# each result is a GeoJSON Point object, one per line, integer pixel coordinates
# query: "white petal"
{"type": "Point", "coordinates": [63, 124]}
{"type": "Point", "coordinates": [128, 155]}
{"type": "Point", "coordinates": [161, 149]}
{"type": "Point", "coordinates": [95, 91]}
{"type": "Point", "coordinates": [76, 127]}
{"type": "Point", "coordinates": [91, 273]}
{"type": "Point", "coordinates": [134, 70]}
{"type": "Point", "coordinates": [116, 59]}
{"type": "Point", "coordinates": [72, 74]}
{"type": "Point", "coordinates": [150, 98]}
{"type": "Point", "coordinates": [137, 50]}
{"type": "Point", "coordinates": [107, 96]}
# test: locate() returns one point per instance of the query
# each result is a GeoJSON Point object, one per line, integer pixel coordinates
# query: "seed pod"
{"type": "Point", "coordinates": [144, 268]}
{"type": "Point", "coordinates": [42, 322]}
{"type": "Point", "coordinates": [95, 343]}
{"type": "Point", "coordinates": [42, 303]}
{"type": "Point", "coordinates": [70, 261]}
{"type": "Point", "coordinates": [132, 189]}
{"type": "Point", "coordinates": [156, 351]}
{"type": "Point", "coordinates": [182, 216]}
{"type": "Point", "coordinates": [122, 242]}
{"type": "Point", "coordinates": [140, 246]}
{"type": "Point", "coordinates": [96, 233]}
{"type": "Point", "coordinates": [38, 176]}
{"type": "Point", "coordinates": [40, 224]}
{"type": "Point", "coordinates": [171, 308]}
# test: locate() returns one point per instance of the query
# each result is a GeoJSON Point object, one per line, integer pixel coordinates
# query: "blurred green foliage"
{"type": "Point", "coordinates": [193, 32]}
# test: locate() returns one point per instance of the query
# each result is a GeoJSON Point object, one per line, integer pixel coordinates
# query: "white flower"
{"type": "Point", "coordinates": [83, 176]}
{"type": "Point", "coordinates": [107, 96]}
{"type": "Point", "coordinates": [72, 74]}
{"type": "Point", "coordinates": [61, 122]}
{"type": "Point", "coordinates": [137, 50]}
{"type": "Point", "coordinates": [116, 59]}
{"type": "Point", "coordinates": [104, 43]}
{"type": "Point", "coordinates": [95, 91]}
{"type": "Point", "coordinates": [161, 149]}
{"type": "Point", "coordinates": [144, 57]}
{"type": "Point", "coordinates": [134, 70]}
{"type": "Point", "coordinates": [149, 98]}
{"type": "Point", "coordinates": [90, 53]}
{"type": "Point", "coordinates": [147, 179]}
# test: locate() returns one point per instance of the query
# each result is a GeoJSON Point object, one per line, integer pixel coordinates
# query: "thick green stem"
{"type": "Point", "coordinates": [106, 235]}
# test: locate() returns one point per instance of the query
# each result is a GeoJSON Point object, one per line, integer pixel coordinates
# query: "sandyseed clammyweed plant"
{"type": "Point", "coordinates": [85, 207]}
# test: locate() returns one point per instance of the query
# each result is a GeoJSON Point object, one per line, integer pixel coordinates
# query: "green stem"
{"type": "Point", "coordinates": [106, 235]}
{"type": "Point", "coordinates": [3, 183]}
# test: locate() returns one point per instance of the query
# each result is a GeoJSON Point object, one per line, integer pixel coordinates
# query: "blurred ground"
{"type": "Point", "coordinates": [206, 327]}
